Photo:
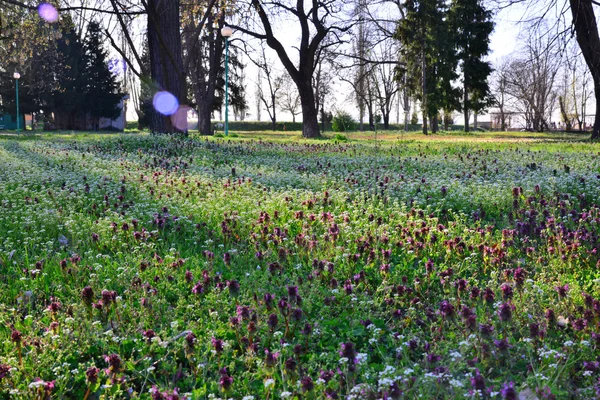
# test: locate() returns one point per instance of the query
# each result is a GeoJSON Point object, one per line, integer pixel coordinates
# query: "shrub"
{"type": "Point", "coordinates": [340, 138]}
{"type": "Point", "coordinates": [343, 122]}
{"type": "Point", "coordinates": [414, 118]}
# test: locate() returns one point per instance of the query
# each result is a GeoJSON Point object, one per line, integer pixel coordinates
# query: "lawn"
{"type": "Point", "coordinates": [266, 266]}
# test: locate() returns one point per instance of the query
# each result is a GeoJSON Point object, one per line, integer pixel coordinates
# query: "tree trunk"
{"type": "Point", "coordinates": [434, 123]}
{"type": "Point", "coordinates": [466, 108]}
{"type": "Point", "coordinates": [406, 110]}
{"type": "Point", "coordinates": [586, 28]}
{"type": "Point", "coordinates": [274, 115]}
{"type": "Point", "coordinates": [424, 90]}
{"type": "Point", "coordinates": [398, 104]}
{"type": "Point", "coordinates": [563, 113]}
{"type": "Point", "coordinates": [166, 63]}
{"type": "Point", "coordinates": [204, 114]}
{"type": "Point", "coordinates": [205, 93]}
{"type": "Point", "coordinates": [386, 121]}
{"type": "Point", "coordinates": [310, 120]}
{"type": "Point", "coordinates": [361, 114]}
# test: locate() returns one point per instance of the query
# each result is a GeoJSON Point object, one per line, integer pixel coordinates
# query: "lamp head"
{"type": "Point", "coordinates": [17, 75]}
{"type": "Point", "coordinates": [226, 32]}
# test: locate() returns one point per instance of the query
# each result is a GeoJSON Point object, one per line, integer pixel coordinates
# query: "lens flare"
{"type": "Point", "coordinates": [179, 119]}
{"type": "Point", "coordinates": [117, 66]}
{"type": "Point", "coordinates": [165, 103]}
{"type": "Point", "coordinates": [48, 12]}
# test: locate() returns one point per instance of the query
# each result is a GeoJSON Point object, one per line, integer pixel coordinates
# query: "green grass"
{"type": "Point", "coordinates": [401, 263]}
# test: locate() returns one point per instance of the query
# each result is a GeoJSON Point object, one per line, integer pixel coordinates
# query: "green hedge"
{"type": "Point", "coordinates": [244, 126]}
{"type": "Point", "coordinates": [247, 126]}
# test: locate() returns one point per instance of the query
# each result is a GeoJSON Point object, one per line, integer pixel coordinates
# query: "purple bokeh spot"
{"type": "Point", "coordinates": [48, 12]}
{"type": "Point", "coordinates": [117, 66]}
{"type": "Point", "coordinates": [179, 118]}
{"type": "Point", "coordinates": [165, 103]}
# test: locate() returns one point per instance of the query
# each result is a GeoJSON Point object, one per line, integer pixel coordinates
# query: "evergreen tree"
{"type": "Point", "coordinates": [429, 56]}
{"type": "Point", "coordinates": [449, 95]}
{"type": "Point", "coordinates": [237, 85]}
{"type": "Point", "coordinates": [102, 94]}
{"type": "Point", "coordinates": [67, 102]}
{"type": "Point", "coordinates": [473, 25]}
{"type": "Point", "coordinates": [237, 88]}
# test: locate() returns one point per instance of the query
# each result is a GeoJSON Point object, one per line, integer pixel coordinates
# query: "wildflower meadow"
{"type": "Point", "coordinates": [137, 266]}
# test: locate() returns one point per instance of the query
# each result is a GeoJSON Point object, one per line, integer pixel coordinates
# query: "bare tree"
{"type": "Point", "coordinates": [384, 80]}
{"type": "Point", "coordinates": [322, 81]}
{"type": "Point", "coordinates": [500, 90]}
{"type": "Point", "coordinates": [582, 25]}
{"type": "Point", "coordinates": [360, 50]}
{"type": "Point", "coordinates": [531, 82]}
{"type": "Point", "coordinates": [575, 93]}
{"type": "Point", "coordinates": [257, 94]}
{"type": "Point", "coordinates": [269, 92]}
{"type": "Point", "coordinates": [289, 99]}
{"type": "Point", "coordinates": [580, 89]}
{"type": "Point", "coordinates": [358, 76]}
{"type": "Point", "coordinates": [586, 28]}
{"type": "Point", "coordinates": [317, 20]}
{"type": "Point", "coordinates": [203, 60]}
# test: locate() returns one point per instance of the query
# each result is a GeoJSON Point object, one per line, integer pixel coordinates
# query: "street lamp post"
{"type": "Point", "coordinates": [226, 32]}
{"type": "Point", "coordinates": [17, 76]}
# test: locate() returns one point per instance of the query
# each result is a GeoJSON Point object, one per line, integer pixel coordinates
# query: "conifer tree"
{"type": "Point", "coordinates": [472, 25]}
{"type": "Point", "coordinates": [67, 102]}
{"type": "Point", "coordinates": [429, 56]}
{"type": "Point", "coordinates": [102, 94]}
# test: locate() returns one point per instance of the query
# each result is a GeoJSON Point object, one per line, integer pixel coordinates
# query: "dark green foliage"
{"type": "Point", "coordinates": [237, 84]}
{"type": "Point", "coordinates": [327, 116]}
{"type": "Point", "coordinates": [472, 25]}
{"type": "Point", "coordinates": [249, 126]}
{"type": "Point", "coordinates": [101, 95]}
{"type": "Point", "coordinates": [343, 122]}
{"type": "Point", "coordinates": [435, 39]}
{"type": "Point", "coordinates": [414, 118]}
{"type": "Point", "coordinates": [237, 89]}
{"type": "Point", "coordinates": [68, 100]}
{"type": "Point", "coordinates": [64, 81]}
{"type": "Point", "coordinates": [27, 103]}
{"type": "Point", "coordinates": [428, 51]}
